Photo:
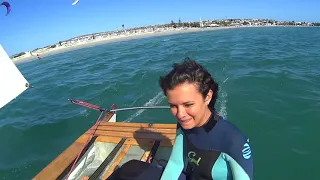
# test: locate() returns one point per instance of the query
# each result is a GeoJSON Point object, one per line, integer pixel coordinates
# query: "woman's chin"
{"type": "Point", "coordinates": [188, 125]}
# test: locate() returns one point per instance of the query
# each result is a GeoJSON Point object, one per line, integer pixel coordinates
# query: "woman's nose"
{"type": "Point", "coordinates": [181, 113]}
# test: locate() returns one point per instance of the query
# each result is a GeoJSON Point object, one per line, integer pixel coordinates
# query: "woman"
{"type": "Point", "coordinates": [206, 146]}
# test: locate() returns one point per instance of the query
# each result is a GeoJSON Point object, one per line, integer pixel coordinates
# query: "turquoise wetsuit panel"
{"type": "Point", "coordinates": [238, 172]}
{"type": "Point", "coordinates": [220, 170]}
{"type": "Point", "coordinates": [176, 162]}
{"type": "Point", "coordinates": [226, 168]}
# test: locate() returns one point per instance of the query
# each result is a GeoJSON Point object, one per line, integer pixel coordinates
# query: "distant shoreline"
{"type": "Point", "coordinates": [119, 38]}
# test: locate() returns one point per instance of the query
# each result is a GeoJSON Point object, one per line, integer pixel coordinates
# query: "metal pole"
{"type": "Point", "coordinates": [141, 107]}
{"type": "Point", "coordinates": [95, 107]}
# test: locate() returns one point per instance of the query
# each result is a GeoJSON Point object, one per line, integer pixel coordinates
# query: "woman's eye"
{"type": "Point", "coordinates": [188, 105]}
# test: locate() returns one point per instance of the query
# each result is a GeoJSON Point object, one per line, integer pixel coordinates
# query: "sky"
{"type": "Point", "coordinates": [37, 23]}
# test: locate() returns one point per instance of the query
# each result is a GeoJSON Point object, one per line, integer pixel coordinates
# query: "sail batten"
{"type": "Point", "coordinates": [12, 82]}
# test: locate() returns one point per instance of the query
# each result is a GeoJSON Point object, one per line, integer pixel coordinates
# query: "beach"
{"type": "Point", "coordinates": [119, 37]}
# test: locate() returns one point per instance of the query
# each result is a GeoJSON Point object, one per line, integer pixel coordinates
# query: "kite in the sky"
{"type": "Point", "coordinates": [75, 2]}
{"type": "Point", "coordinates": [8, 7]}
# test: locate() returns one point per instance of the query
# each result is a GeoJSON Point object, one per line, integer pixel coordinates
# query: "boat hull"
{"type": "Point", "coordinates": [112, 144]}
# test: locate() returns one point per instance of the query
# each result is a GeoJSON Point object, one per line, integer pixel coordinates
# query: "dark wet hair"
{"type": "Point", "coordinates": [192, 72]}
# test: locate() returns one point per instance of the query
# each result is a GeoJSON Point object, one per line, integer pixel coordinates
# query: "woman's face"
{"type": "Point", "coordinates": [188, 105]}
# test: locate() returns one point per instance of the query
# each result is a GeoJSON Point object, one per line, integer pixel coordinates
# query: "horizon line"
{"type": "Point", "coordinates": [152, 25]}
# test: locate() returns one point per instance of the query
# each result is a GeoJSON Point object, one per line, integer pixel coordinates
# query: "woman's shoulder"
{"type": "Point", "coordinates": [231, 130]}
{"type": "Point", "coordinates": [235, 142]}
{"type": "Point", "coordinates": [237, 148]}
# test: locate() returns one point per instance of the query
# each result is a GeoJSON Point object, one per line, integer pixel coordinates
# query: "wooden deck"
{"type": "Point", "coordinates": [136, 134]}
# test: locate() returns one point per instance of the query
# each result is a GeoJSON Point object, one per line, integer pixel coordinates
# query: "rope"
{"type": "Point", "coordinates": [95, 127]}
{"type": "Point", "coordinates": [87, 105]}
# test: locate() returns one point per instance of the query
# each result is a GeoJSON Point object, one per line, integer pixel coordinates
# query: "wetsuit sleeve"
{"type": "Point", "coordinates": [240, 160]}
{"type": "Point", "coordinates": [176, 162]}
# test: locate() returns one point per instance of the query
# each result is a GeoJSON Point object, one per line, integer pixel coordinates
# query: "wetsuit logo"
{"type": "Point", "coordinates": [246, 151]}
{"type": "Point", "coordinates": [191, 157]}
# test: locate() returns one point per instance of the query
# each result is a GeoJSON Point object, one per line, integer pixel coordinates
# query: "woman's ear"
{"type": "Point", "coordinates": [208, 97]}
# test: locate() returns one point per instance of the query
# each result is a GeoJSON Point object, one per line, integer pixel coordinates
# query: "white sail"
{"type": "Point", "coordinates": [201, 23]}
{"type": "Point", "coordinates": [75, 2]}
{"type": "Point", "coordinates": [12, 82]}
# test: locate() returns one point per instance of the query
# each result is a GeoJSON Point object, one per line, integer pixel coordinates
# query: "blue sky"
{"type": "Point", "coordinates": [38, 23]}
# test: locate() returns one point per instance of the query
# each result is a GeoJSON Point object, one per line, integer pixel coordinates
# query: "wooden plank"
{"type": "Point", "coordinates": [130, 141]}
{"type": "Point", "coordinates": [106, 139]}
{"type": "Point", "coordinates": [135, 129]}
{"type": "Point", "coordinates": [60, 163]}
{"type": "Point", "coordinates": [143, 142]}
{"type": "Point", "coordinates": [141, 125]}
{"type": "Point", "coordinates": [109, 114]}
{"type": "Point", "coordinates": [136, 135]}
{"type": "Point", "coordinates": [117, 161]}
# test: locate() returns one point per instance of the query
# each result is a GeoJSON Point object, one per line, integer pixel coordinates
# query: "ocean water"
{"type": "Point", "coordinates": [269, 87]}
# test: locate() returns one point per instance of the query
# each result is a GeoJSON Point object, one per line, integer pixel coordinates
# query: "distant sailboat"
{"type": "Point", "coordinates": [12, 82]}
{"type": "Point", "coordinates": [201, 24]}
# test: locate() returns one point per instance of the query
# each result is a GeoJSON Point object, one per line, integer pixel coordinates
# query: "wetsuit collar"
{"type": "Point", "coordinates": [209, 125]}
